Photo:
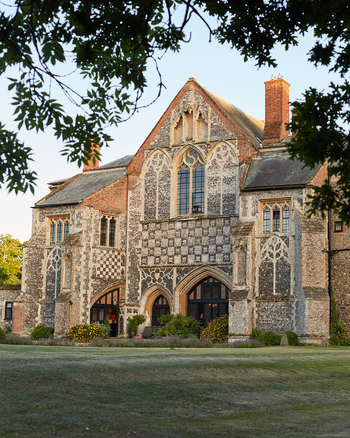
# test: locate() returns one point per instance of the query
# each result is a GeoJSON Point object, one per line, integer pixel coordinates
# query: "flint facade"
{"type": "Point", "coordinates": [210, 202]}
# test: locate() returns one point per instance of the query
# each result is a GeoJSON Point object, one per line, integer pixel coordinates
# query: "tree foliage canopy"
{"type": "Point", "coordinates": [10, 260]}
{"type": "Point", "coordinates": [110, 44]}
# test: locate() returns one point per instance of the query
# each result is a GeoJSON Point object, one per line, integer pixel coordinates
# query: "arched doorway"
{"type": "Point", "coordinates": [208, 300]}
{"type": "Point", "coordinates": [160, 307]}
{"type": "Point", "coordinates": [107, 307]}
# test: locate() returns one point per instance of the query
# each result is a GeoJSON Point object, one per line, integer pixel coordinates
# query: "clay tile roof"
{"type": "Point", "coordinates": [84, 185]}
{"type": "Point", "coordinates": [274, 171]}
{"type": "Point", "coordinates": [250, 126]}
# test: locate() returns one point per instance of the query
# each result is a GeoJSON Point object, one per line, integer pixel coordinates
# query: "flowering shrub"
{"type": "Point", "coordinates": [247, 343]}
{"type": "Point", "coordinates": [183, 326]}
{"type": "Point", "coordinates": [86, 332]}
{"type": "Point", "coordinates": [217, 330]}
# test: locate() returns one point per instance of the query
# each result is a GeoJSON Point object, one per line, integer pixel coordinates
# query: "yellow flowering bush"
{"type": "Point", "coordinates": [216, 330]}
{"type": "Point", "coordinates": [86, 332]}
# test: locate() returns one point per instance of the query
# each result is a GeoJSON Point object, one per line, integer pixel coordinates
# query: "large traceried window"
{"type": "Point", "coordinates": [276, 216]}
{"type": "Point", "coordinates": [108, 231]}
{"type": "Point", "coordinates": [59, 229]}
{"type": "Point", "coordinates": [190, 184]}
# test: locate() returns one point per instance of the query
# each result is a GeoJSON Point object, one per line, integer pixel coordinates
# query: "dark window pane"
{"type": "Point", "coordinates": [59, 232]}
{"type": "Point", "coordinates": [285, 220]}
{"type": "Point", "coordinates": [198, 189]}
{"type": "Point", "coordinates": [267, 215]}
{"type": "Point", "coordinates": [53, 233]}
{"type": "Point", "coordinates": [276, 219]}
{"type": "Point", "coordinates": [183, 190]}
{"type": "Point", "coordinates": [215, 292]}
{"type": "Point", "coordinates": [338, 227]}
{"type": "Point", "coordinates": [66, 229]}
{"type": "Point", "coordinates": [112, 232]}
{"type": "Point", "coordinates": [8, 310]}
{"type": "Point", "coordinates": [103, 238]}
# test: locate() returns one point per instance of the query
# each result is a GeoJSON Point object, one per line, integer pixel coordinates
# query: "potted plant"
{"type": "Point", "coordinates": [134, 322]}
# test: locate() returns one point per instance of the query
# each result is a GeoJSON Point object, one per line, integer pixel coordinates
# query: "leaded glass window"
{"type": "Point", "coordinates": [103, 236]}
{"type": "Point", "coordinates": [59, 229]}
{"type": "Point", "coordinates": [276, 217]}
{"type": "Point", "coordinates": [108, 231]}
{"type": "Point", "coordinates": [190, 184]}
{"type": "Point", "coordinates": [112, 232]}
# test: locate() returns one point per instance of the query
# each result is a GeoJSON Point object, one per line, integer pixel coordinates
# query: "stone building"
{"type": "Point", "coordinates": [208, 217]}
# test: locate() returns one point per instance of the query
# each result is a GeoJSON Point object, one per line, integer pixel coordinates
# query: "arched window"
{"type": "Point", "coordinates": [108, 231]}
{"type": "Point", "coordinates": [208, 300]}
{"type": "Point", "coordinates": [59, 229]}
{"type": "Point", "coordinates": [190, 184]}
{"type": "Point", "coordinates": [160, 307]}
{"type": "Point", "coordinates": [276, 217]}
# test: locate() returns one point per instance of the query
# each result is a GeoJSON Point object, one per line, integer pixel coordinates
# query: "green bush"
{"type": "Point", "coordinates": [257, 334]}
{"type": "Point", "coordinates": [183, 326]}
{"type": "Point", "coordinates": [107, 324]}
{"type": "Point", "coordinates": [217, 330]}
{"type": "Point", "coordinates": [344, 342]}
{"type": "Point", "coordinates": [2, 334]}
{"type": "Point", "coordinates": [271, 339]}
{"type": "Point", "coordinates": [41, 331]}
{"type": "Point", "coordinates": [334, 340]}
{"type": "Point", "coordinates": [132, 327]}
{"type": "Point", "coordinates": [292, 338]}
{"type": "Point", "coordinates": [337, 329]}
{"type": "Point", "coordinates": [86, 332]}
{"type": "Point", "coordinates": [135, 321]}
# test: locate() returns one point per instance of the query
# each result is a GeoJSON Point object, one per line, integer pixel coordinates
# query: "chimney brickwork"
{"type": "Point", "coordinates": [276, 111]}
{"type": "Point", "coordinates": [93, 162]}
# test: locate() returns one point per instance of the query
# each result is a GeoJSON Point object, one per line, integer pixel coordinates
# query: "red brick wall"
{"type": "Point", "coordinates": [320, 177]}
{"type": "Point", "coordinates": [112, 198]}
{"type": "Point", "coordinates": [19, 316]}
{"type": "Point", "coordinates": [276, 110]}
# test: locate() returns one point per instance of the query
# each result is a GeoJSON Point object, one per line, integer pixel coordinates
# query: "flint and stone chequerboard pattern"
{"type": "Point", "coordinates": [107, 264]}
{"type": "Point", "coordinates": [188, 242]}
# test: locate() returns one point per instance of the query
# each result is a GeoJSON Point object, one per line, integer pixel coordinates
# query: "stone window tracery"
{"type": "Point", "coordinates": [190, 184]}
{"type": "Point", "coordinates": [108, 231]}
{"type": "Point", "coordinates": [276, 216]}
{"type": "Point", "coordinates": [59, 229]}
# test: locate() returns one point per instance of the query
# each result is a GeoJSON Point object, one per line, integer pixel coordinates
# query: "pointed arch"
{"type": "Point", "coordinates": [192, 279]}
{"type": "Point", "coordinates": [156, 186]}
{"type": "Point", "coordinates": [148, 299]}
{"type": "Point", "coordinates": [222, 179]}
{"type": "Point", "coordinates": [118, 284]}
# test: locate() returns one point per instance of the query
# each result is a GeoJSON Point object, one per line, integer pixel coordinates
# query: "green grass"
{"type": "Point", "coordinates": [266, 392]}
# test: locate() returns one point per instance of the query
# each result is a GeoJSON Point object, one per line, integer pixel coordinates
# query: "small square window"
{"type": "Point", "coordinates": [8, 309]}
{"type": "Point", "coordinates": [338, 227]}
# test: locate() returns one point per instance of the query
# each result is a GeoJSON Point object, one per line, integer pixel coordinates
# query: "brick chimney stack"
{"type": "Point", "coordinates": [91, 165]}
{"type": "Point", "coordinates": [276, 110]}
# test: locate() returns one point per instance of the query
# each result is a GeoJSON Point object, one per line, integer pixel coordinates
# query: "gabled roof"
{"type": "Point", "coordinates": [82, 186]}
{"type": "Point", "coordinates": [276, 171]}
{"type": "Point", "coordinates": [250, 126]}
{"type": "Point", "coordinates": [121, 162]}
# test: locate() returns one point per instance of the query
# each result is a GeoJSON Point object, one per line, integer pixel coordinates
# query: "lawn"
{"type": "Point", "coordinates": [110, 392]}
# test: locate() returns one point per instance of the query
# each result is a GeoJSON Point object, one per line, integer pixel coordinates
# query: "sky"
{"type": "Point", "coordinates": [216, 67]}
